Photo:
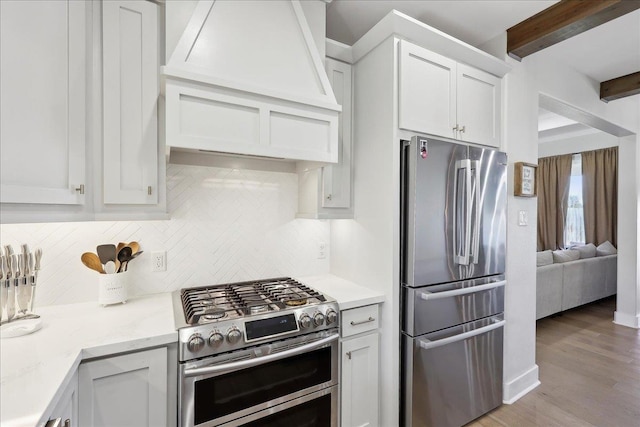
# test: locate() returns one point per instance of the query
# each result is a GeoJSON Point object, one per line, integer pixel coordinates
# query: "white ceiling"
{"type": "Point", "coordinates": [608, 51]}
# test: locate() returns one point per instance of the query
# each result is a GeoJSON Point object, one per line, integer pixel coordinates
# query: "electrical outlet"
{"type": "Point", "coordinates": [159, 261]}
{"type": "Point", "coordinates": [322, 250]}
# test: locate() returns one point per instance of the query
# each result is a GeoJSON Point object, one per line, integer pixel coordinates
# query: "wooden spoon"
{"type": "Point", "coordinates": [135, 247]}
{"type": "Point", "coordinates": [92, 261]}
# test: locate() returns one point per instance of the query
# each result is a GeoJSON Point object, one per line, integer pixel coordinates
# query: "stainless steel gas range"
{"type": "Point", "coordinates": [258, 353]}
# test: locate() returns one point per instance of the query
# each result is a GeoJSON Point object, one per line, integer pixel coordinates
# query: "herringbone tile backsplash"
{"type": "Point", "coordinates": [226, 225]}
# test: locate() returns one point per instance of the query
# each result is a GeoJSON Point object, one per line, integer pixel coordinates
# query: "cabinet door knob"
{"type": "Point", "coordinates": [461, 130]}
{"type": "Point", "coordinates": [455, 128]}
{"type": "Point", "coordinates": [149, 190]}
{"type": "Point", "coordinates": [67, 423]}
{"type": "Point", "coordinates": [329, 197]}
{"type": "Point", "coordinates": [80, 189]}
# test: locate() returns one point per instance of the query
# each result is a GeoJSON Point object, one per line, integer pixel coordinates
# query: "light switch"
{"type": "Point", "coordinates": [523, 218]}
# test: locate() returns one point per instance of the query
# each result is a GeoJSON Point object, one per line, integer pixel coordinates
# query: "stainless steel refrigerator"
{"type": "Point", "coordinates": [453, 261]}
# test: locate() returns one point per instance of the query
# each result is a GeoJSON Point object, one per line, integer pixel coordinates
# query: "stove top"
{"type": "Point", "coordinates": [221, 318]}
{"type": "Point", "coordinates": [235, 300]}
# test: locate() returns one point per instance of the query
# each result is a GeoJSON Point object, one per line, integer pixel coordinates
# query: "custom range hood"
{"type": "Point", "coordinates": [246, 78]}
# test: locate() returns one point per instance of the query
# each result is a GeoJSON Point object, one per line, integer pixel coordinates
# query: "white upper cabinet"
{"type": "Point", "coordinates": [440, 96]}
{"type": "Point", "coordinates": [130, 94]}
{"type": "Point", "coordinates": [427, 88]}
{"type": "Point", "coordinates": [43, 75]}
{"type": "Point", "coordinates": [478, 106]}
{"type": "Point", "coordinates": [262, 92]}
{"type": "Point", "coordinates": [336, 179]}
{"type": "Point", "coordinates": [325, 192]}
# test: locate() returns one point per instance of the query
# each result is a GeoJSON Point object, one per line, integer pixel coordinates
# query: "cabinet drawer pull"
{"type": "Point", "coordinates": [370, 319]}
{"type": "Point", "coordinates": [80, 189]}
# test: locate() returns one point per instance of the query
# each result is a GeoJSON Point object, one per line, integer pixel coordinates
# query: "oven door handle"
{"type": "Point", "coordinates": [234, 366]}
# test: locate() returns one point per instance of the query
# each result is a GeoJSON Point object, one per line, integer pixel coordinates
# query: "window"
{"type": "Point", "coordinates": [574, 222]}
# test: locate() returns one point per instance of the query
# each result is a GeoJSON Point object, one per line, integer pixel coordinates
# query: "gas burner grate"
{"type": "Point", "coordinates": [290, 292]}
{"type": "Point", "coordinates": [233, 300]}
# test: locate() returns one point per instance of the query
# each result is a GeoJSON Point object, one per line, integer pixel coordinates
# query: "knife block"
{"type": "Point", "coordinates": [112, 288]}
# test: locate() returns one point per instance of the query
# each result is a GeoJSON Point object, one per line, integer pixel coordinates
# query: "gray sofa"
{"type": "Point", "coordinates": [568, 283]}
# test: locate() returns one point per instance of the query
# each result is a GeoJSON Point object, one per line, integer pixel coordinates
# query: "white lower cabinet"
{"type": "Point", "coordinates": [126, 390]}
{"type": "Point", "coordinates": [65, 414]}
{"type": "Point", "coordinates": [359, 401]}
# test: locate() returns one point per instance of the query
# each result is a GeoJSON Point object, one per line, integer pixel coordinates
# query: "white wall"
{"type": "Point", "coordinates": [578, 144]}
{"type": "Point", "coordinates": [226, 225]}
{"type": "Point", "coordinates": [628, 298]}
{"type": "Point", "coordinates": [542, 74]}
{"type": "Point", "coordinates": [567, 85]}
{"type": "Point", "coordinates": [538, 74]}
{"type": "Point", "coordinates": [521, 131]}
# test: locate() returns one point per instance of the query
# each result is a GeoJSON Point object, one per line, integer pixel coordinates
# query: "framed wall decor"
{"type": "Point", "coordinates": [525, 184]}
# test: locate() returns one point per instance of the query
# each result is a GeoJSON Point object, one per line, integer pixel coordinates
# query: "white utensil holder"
{"type": "Point", "coordinates": [113, 288]}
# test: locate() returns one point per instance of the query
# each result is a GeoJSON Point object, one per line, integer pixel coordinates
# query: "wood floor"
{"type": "Point", "coordinates": [589, 370]}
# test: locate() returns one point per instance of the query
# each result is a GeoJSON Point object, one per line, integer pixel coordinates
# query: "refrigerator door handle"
{"type": "Point", "coordinates": [429, 296]}
{"type": "Point", "coordinates": [464, 258]}
{"type": "Point", "coordinates": [426, 344]}
{"type": "Point", "coordinates": [475, 168]}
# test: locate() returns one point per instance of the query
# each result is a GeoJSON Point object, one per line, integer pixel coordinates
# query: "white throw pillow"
{"type": "Point", "coordinates": [544, 258]}
{"type": "Point", "coordinates": [586, 251]}
{"type": "Point", "coordinates": [606, 248]}
{"type": "Point", "coordinates": [565, 255]}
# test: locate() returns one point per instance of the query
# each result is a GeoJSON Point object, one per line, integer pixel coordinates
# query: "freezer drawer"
{"type": "Point", "coordinates": [453, 376]}
{"type": "Point", "coordinates": [431, 308]}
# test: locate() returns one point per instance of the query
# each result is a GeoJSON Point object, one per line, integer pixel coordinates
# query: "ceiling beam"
{"type": "Point", "coordinates": [619, 88]}
{"type": "Point", "coordinates": [561, 21]}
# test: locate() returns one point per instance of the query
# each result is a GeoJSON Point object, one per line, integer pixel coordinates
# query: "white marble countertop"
{"type": "Point", "coordinates": [35, 369]}
{"type": "Point", "coordinates": [348, 294]}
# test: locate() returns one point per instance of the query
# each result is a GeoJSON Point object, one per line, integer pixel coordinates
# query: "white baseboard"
{"type": "Point", "coordinates": [624, 319]}
{"type": "Point", "coordinates": [519, 386]}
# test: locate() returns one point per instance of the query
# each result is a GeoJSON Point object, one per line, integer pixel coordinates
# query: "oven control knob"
{"type": "Point", "coordinates": [305, 321]}
{"type": "Point", "coordinates": [332, 316]}
{"type": "Point", "coordinates": [195, 343]}
{"type": "Point", "coordinates": [234, 335]}
{"type": "Point", "coordinates": [318, 319]}
{"type": "Point", "coordinates": [215, 339]}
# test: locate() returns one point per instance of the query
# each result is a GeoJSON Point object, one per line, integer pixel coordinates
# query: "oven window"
{"type": "Point", "coordinates": [314, 413]}
{"type": "Point", "coordinates": [225, 394]}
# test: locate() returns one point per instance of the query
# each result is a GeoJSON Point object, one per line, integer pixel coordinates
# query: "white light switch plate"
{"type": "Point", "coordinates": [523, 218]}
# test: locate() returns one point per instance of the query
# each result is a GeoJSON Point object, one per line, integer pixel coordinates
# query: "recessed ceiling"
{"type": "Point", "coordinates": [553, 127]}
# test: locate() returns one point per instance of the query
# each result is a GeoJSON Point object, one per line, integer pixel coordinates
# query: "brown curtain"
{"type": "Point", "coordinates": [600, 195]}
{"type": "Point", "coordinates": [553, 176]}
